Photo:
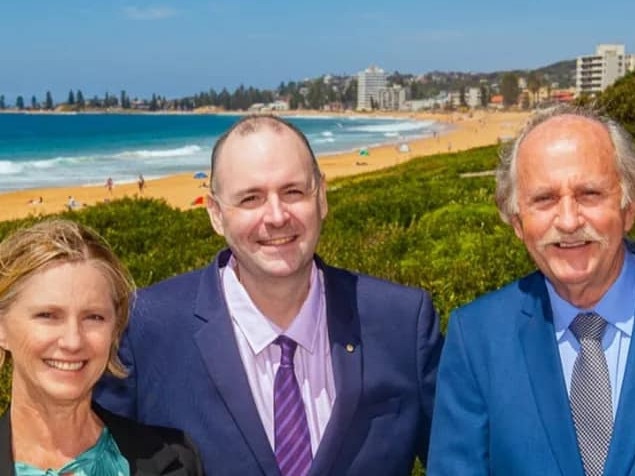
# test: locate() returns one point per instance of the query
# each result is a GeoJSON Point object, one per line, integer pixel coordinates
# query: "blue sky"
{"type": "Point", "coordinates": [178, 48]}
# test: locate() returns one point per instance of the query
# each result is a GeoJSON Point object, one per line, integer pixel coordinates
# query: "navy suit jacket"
{"type": "Point", "coordinates": [502, 406]}
{"type": "Point", "coordinates": [186, 372]}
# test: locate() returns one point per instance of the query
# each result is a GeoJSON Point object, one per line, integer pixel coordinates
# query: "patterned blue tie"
{"type": "Point", "coordinates": [292, 440]}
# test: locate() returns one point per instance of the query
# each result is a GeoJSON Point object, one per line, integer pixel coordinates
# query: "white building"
{"type": "Point", "coordinates": [454, 98]}
{"type": "Point", "coordinates": [473, 97]}
{"type": "Point", "coordinates": [369, 82]}
{"type": "Point", "coordinates": [392, 98]}
{"type": "Point", "coordinates": [279, 105]}
{"type": "Point", "coordinates": [417, 104]}
{"type": "Point", "coordinates": [595, 73]}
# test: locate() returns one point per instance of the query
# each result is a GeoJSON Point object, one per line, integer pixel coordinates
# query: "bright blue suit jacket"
{"type": "Point", "coordinates": [502, 406]}
{"type": "Point", "coordinates": [186, 372]}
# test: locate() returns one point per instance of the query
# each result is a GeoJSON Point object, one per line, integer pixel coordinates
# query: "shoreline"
{"type": "Point", "coordinates": [182, 191]}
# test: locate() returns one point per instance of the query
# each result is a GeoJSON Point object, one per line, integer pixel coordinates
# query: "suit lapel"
{"type": "Point", "coordinates": [346, 356]}
{"type": "Point", "coordinates": [538, 342]}
{"type": "Point", "coordinates": [217, 343]}
{"type": "Point", "coordinates": [6, 452]}
{"type": "Point", "coordinates": [146, 456]}
{"type": "Point", "coordinates": [621, 457]}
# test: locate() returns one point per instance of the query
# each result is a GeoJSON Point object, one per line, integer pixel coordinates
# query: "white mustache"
{"type": "Point", "coordinates": [588, 233]}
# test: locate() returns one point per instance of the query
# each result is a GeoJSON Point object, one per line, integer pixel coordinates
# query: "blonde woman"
{"type": "Point", "coordinates": [64, 300]}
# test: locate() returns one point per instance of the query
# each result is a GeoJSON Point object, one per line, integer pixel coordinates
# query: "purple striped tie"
{"type": "Point", "coordinates": [293, 443]}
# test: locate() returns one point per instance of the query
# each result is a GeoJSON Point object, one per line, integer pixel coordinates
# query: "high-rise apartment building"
{"type": "Point", "coordinates": [392, 98]}
{"type": "Point", "coordinates": [597, 72]}
{"type": "Point", "coordinates": [369, 82]}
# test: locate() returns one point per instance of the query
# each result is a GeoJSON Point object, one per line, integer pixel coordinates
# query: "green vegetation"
{"type": "Point", "coordinates": [420, 223]}
{"type": "Point", "coordinates": [618, 101]}
{"type": "Point", "coordinates": [509, 89]}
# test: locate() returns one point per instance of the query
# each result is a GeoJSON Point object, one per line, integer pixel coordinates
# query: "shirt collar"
{"type": "Point", "coordinates": [616, 306]}
{"type": "Point", "coordinates": [259, 331]}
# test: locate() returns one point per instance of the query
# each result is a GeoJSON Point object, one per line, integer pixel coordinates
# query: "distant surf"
{"type": "Point", "coordinates": [58, 150]}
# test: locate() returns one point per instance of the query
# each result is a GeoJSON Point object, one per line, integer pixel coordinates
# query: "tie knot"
{"type": "Point", "coordinates": [287, 346]}
{"type": "Point", "coordinates": [588, 326]}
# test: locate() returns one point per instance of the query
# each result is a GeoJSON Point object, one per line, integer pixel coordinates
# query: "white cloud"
{"type": "Point", "coordinates": [149, 13]}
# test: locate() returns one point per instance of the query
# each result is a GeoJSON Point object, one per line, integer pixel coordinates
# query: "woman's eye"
{"type": "Point", "coordinates": [96, 317]}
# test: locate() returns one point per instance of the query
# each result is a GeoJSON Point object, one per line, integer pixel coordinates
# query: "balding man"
{"type": "Point", "coordinates": [274, 362]}
{"type": "Point", "coordinates": [537, 377]}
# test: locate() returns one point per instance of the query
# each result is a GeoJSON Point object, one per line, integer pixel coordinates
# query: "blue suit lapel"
{"type": "Point", "coordinates": [217, 344]}
{"type": "Point", "coordinates": [542, 358]}
{"type": "Point", "coordinates": [621, 457]}
{"type": "Point", "coordinates": [346, 355]}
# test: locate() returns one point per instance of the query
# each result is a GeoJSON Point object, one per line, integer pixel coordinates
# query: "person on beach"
{"type": "Point", "coordinates": [63, 306]}
{"type": "Point", "coordinates": [536, 378]}
{"type": "Point", "coordinates": [141, 183]}
{"type": "Point", "coordinates": [275, 362]}
{"type": "Point", "coordinates": [109, 184]}
{"type": "Point", "coordinates": [72, 204]}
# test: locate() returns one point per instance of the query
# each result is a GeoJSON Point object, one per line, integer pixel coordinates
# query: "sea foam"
{"type": "Point", "coordinates": [393, 127]}
{"type": "Point", "coordinates": [149, 154]}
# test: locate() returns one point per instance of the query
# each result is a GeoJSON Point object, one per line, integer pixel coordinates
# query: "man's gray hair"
{"type": "Point", "coordinates": [506, 173]}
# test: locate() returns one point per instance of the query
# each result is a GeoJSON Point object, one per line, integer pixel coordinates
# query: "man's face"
{"type": "Point", "coordinates": [268, 204]}
{"type": "Point", "coordinates": [569, 197]}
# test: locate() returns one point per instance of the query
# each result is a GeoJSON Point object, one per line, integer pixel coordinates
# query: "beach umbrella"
{"type": "Point", "coordinates": [200, 175]}
{"type": "Point", "coordinates": [198, 200]}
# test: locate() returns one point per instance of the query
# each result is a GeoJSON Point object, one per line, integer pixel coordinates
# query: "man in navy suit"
{"type": "Point", "coordinates": [204, 349]}
{"type": "Point", "coordinates": [516, 394]}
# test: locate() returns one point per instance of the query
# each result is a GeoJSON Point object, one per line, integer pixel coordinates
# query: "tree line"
{"type": "Point", "coordinates": [337, 92]}
{"type": "Point", "coordinates": [310, 94]}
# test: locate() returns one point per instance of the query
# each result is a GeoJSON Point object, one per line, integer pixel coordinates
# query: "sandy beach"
{"type": "Point", "coordinates": [182, 190]}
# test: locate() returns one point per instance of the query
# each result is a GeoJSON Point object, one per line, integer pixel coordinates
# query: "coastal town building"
{"type": "Point", "coordinates": [392, 98]}
{"type": "Point", "coordinates": [473, 97]}
{"type": "Point", "coordinates": [595, 73]}
{"type": "Point", "coordinates": [418, 104]}
{"type": "Point", "coordinates": [278, 105]}
{"type": "Point", "coordinates": [454, 99]}
{"type": "Point", "coordinates": [369, 83]}
{"type": "Point", "coordinates": [496, 102]}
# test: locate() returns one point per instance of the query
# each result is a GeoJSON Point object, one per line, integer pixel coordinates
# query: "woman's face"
{"type": "Point", "coordinates": [59, 331]}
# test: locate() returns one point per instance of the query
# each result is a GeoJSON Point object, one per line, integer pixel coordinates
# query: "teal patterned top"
{"type": "Point", "coordinates": [103, 459]}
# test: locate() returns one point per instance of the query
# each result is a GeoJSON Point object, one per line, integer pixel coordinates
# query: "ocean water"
{"type": "Point", "coordinates": [47, 150]}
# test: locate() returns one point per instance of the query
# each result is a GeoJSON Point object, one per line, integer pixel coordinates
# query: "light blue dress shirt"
{"type": "Point", "coordinates": [617, 307]}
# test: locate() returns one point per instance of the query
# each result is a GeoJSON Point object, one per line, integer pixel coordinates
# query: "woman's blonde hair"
{"type": "Point", "coordinates": [30, 250]}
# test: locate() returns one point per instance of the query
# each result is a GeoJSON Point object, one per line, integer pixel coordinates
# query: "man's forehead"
{"type": "Point", "coordinates": [245, 158]}
{"type": "Point", "coordinates": [565, 126]}
{"type": "Point", "coordinates": [284, 140]}
{"type": "Point", "coordinates": [283, 136]}
{"type": "Point", "coordinates": [255, 127]}
{"type": "Point", "coordinates": [565, 134]}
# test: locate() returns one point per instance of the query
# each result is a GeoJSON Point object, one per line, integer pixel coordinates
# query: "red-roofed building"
{"type": "Point", "coordinates": [562, 95]}
{"type": "Point", "coordinates": [496, 101]}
